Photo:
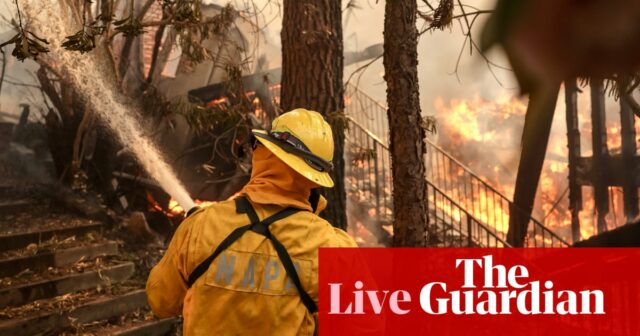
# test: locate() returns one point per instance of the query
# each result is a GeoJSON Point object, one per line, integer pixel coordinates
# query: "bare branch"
{"type": "Point", "coordinates": [428, 4]}
{"type": "Point", "coordinates": [466, 26]}
{"type": "Point", "coordinates": [362, 69]}
{"type": "Point", "coordinates": [466, 20]}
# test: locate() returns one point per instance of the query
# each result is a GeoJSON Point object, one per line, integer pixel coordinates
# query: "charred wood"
{"type": "Point", "coordinates": [629, 171]}
{"type": "Point", "coordinates": [624, 236]}
{"type": "Point", "coordinates": [573, 144]}
{"type": "Point", "coordinates": [600, 153]}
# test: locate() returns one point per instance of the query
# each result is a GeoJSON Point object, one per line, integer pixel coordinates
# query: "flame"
{"type": "Point", "coordinates": [467, 123]}
{"type": "Point", "coordinates": [478, 133]}
{"type": "Point", "coordinates": [173, 209]}
{"type": "Point", "coordinates": [219, 101]}
{"type": "Point", "coordinates": [485, 136]}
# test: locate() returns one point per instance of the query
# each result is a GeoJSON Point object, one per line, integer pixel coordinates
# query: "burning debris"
{"type": "Point", "coordinates": [485, 135]}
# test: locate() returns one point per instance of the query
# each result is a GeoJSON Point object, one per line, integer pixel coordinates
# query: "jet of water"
{"type": "Point", "coordinates": [86, 72]}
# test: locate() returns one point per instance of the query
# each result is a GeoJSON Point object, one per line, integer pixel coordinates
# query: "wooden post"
{"type": "Point", "coordinates": [600, 153]}
{"type": "Point", "coordinates": [573, 142]}
{"type": "Point", "coordinates": [628, 133]}
{"type": "Point", "coordinates": [535, 137]}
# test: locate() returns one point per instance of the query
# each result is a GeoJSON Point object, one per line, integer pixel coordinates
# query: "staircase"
{"type": "Point", "coordinates": [464, 210]}
{"type": "Point", "coordinates": [61, 274]}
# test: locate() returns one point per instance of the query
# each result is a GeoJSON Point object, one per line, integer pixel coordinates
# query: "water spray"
{"type": "Point", "coordinates": [50, 19]}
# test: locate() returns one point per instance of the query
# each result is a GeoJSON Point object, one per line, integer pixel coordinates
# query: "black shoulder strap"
{"type": "Point", "coordinates": [242, 206]}
{"type": "Point", "coordinates": [192, 211]}
{"type": "Point", "coordinates": [204, 265]}
{"type": "Point", "coordinates": [290, 268]}
{"type": "Point", "coordinates": [261, 227]}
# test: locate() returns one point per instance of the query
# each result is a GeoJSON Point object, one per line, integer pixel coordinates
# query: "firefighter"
{"type": "Point", "coordinates": [250, 265]}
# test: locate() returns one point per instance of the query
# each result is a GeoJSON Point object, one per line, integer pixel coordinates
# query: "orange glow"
{"type": "Point", "coordinates": [485, 136]}
{"type": "Point", "coordinates": [219, 101]}
{"type": "Point", "coordinates": [173, 208]}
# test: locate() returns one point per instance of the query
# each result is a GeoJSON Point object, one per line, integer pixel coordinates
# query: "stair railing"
{"type": "Point", "coordinates": [450, 176]}
{"type": "Point", "coordinates": [450, 225]}
{"type": "Point", "coordinates": [369, 178]}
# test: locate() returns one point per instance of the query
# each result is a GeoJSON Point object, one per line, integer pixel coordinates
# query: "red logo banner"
{"type": "Point", "coordinates": [423, 291]}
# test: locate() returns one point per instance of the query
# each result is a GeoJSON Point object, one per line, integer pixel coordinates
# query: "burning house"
{"type": "Point", "coordinates": [207, 162]}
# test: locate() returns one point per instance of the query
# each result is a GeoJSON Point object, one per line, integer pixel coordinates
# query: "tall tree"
{"type": "Point", "coordinates": [312, 67]}
{"type": "Point", "coordinates": [405, 123]}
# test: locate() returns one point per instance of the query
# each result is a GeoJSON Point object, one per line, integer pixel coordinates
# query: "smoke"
{"type": "Point", "coordinates": [53, 20]}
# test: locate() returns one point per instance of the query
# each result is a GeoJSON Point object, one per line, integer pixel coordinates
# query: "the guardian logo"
{"type": "Point", "coordinates": [503, 292]}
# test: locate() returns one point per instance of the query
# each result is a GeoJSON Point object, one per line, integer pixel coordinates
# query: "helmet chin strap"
{"type": "Point", "coordinates": [314, 199]}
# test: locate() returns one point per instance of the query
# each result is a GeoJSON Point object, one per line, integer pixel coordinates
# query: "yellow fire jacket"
{"type": "Point", "coordinates": [245, 290]}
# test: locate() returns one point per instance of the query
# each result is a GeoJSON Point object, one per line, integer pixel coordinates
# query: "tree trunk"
{"type": "Point", "coordinates": [407, 135]}
{"type": "Point", "coordinates": [535, 137]}
{"type": "Point", "coordinates": [312, 67]}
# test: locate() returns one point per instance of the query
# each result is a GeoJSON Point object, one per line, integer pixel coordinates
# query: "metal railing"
{"type": "Point", "coordinates": [450, 225]}
{"type": "Point", "coordinates": [367, 112]}
{"type": "Point", "coordinates": [451, 178]}
{"type": "Point", "coordinates": [368, 177]}
{"type": "Point", "coordinates": [481, 199]}
{"type": "Point", "coordinates": [368, 169]}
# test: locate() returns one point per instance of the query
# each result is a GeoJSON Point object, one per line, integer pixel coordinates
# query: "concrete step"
{"type": "Point", "coordinates": [73, 282]}
{"type": "Point", "coordinates": [145, 328]}
{"type": "Point", "coordinates": [51, 322]}
{"type": "Point", "coordinates": [58, 258]}
{"type": "Point", "coordinates": [20, 240]}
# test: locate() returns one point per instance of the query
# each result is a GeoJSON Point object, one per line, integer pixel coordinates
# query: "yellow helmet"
{"type": "Point", "coordinates": [303, 140]}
